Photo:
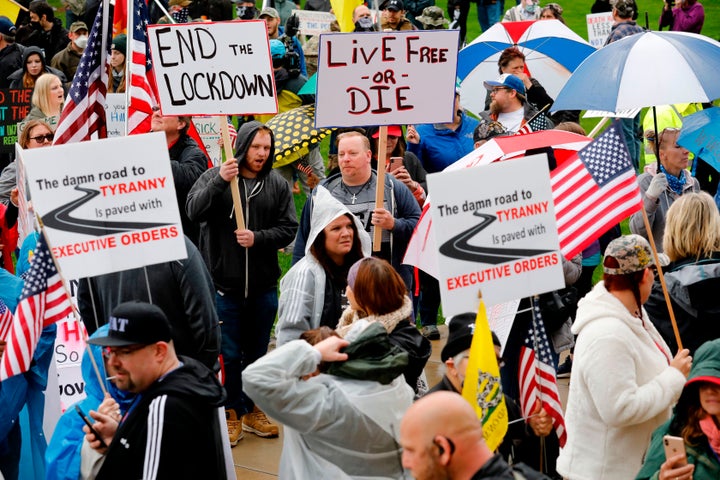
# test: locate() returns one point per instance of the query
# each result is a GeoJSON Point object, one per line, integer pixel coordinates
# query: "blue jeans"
{"type": "Point", "coordinates": [245, 324]}
{"type": "Point", "coordinates": [488, 15]}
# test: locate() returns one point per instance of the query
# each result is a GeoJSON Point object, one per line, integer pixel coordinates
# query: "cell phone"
{"type": "Point", "coordinates": [87, 421]}
{"type": "Point", "coordinates": [674, 446]}
{"type": "Point", "coordinates": [395, 163]}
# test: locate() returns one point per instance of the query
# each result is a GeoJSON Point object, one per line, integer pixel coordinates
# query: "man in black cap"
{"type": "Point", "coordinates": [173, 428]}
{"type": "Point", "coordinates": [10, 52]}
{"type": "Point", "coordinates": [393, 16]}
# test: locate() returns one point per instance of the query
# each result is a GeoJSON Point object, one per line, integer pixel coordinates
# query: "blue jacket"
{"type": "Point", "coordinates": [439, 148]}
{"type": "Point", "coordinates": [62, 457]}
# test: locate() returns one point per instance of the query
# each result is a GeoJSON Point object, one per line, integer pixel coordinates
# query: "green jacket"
{"type": "Point", "coordinates": [706, 363]}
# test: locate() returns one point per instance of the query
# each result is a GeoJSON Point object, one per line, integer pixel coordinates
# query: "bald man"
{"type": "Point", "coordinates": [442, 439]}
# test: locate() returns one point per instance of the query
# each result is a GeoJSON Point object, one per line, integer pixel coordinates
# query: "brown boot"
{"type": "Point", "coordinates": [257, 422]}
{"type": "Point", "coordinates": [234, 427]}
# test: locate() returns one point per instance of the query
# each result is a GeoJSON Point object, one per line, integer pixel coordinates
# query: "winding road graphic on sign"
{"type": "Point", "coordinates": [459, 248]}
{"type": "Point", "coordinates": [61, 219]}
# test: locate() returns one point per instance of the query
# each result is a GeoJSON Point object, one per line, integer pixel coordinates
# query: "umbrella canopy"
{"type": "Point", "coordinates": [421, 251]}
{"type": "Point", "coordinates": [295, 134]}
{"type": "Point", "coordinates": [310, 86]}
{"type": "Point", "coordinates": [645, 69]}
{"type": "Point", "coordinates": [552, 52]}
{"type": "Point", "coordinates": [701, 135]}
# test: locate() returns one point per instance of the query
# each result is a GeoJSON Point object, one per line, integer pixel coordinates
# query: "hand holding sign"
{"type": "Point", "coordinates": [383, 219]}
{"type": "Point", "coordinates": [229, 170]}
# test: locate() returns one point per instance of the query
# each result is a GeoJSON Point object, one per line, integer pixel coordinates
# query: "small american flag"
{"type": "Point", "coordinates": [143, 95]}
{"type": "Point", "coordinates": [43, 301]}
{"type": "Point", "coordinates": [537, 374]}
{"type": "Point", "coordinates": [84, 110]}
{"type": "Point", "coordinates": [594, 191]}
{"type": "Point", "coordinates": [535, 124]}
{"type": "Point", "coordinates": [6, 318]}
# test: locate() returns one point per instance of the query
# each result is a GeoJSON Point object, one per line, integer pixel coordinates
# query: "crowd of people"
{"type": "Point", "coordinates": [353, 328]}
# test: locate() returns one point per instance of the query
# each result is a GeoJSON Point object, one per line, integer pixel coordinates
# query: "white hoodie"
{"type": "Point", "coordinates": [621, 389]}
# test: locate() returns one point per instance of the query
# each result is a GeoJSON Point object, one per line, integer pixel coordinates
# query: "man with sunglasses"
{"type": "Point", "coordinates": [172, 430]}
{"type": "Point", "coordinates": [442, 438]}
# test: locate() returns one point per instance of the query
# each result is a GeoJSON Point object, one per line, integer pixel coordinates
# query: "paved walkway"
{"type": "Point", "coordinates": [258, 458]}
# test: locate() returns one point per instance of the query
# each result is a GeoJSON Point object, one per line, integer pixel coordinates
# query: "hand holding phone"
{"type": "Point", "coordinates": [395, 163]}
{"type": "Point", "coordinates": [90, 426]}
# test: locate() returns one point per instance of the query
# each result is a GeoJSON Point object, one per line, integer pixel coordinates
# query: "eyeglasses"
{"type": "Point", "coordinates": [497, 89]}
{"type": "Point", "coordinates": [122, 352]}
{"type": "Point", "coordinates": [48, 137]}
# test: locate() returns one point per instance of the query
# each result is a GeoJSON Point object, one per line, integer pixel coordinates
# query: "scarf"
{"type": "Point", "coordinates": [711, 431]}
{"type": "Point", "coordinates": [676, 184]}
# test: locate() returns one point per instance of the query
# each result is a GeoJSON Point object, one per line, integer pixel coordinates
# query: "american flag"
{"type": "Point", "coordinates": [535, 124]}
{"type": "Point", "coordinates": [594, 191]}
{"type": "Point", "coordinates": [84, 110]}
{"type": "Point", "coordinates": [43, 301]}
{"type": "Point", "coordinates": [537, 374]}
{"type": "Point", "coordinates": [6, 318]}
{"type": "Point", "coordinates": [142, 82]}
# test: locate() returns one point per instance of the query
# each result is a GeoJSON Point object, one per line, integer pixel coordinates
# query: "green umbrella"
{"type": "Point", "coordinates": [310, 86]}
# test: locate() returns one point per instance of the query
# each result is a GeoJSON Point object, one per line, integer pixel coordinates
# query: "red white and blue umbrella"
{"type": "Point", "coordinates": [645, 69]}
{"type": "Point", "coordinates": [552, 53]}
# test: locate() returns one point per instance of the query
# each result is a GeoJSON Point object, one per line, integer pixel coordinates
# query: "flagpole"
{"type": "Point", "coordinates": [76, 314]}
{"type": "Point", "coordinates": [128, 64]}
{"type": "Point", "coordinates": [661, 276]}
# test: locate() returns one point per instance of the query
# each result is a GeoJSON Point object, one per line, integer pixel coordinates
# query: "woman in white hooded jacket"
{"type": "Point", "coordinates": [624, 380]}
{"type": "Point", "coordinates": [312, 291]}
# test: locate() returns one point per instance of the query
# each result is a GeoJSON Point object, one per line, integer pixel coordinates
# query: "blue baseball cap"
{"type": "Point", "coordinates": [507, 81]}
{"type": "Point", "coordinates": [277, 49]}
{"type": "Point", "coordinates": [7, 27]}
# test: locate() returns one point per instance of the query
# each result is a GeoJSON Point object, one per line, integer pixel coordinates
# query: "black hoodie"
{"type": "Point", "coordinates": [269, 213]}
{"type": "Point", "coordinates": [172, 430]}
{"type": "Point", "coordinates": [16, 77]}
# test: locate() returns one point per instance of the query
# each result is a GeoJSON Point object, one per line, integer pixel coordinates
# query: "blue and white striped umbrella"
{"type": "Point", "coordinates": [552, 52]}
{"type": "Point", "coordinates": [645, 69]}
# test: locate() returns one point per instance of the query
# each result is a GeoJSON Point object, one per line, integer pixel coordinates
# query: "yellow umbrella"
{"type": "Point", "coordinates": [295, 134]}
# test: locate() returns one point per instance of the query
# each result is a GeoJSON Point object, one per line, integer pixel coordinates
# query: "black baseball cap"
{"type": "Point", "coordinates": [394, 5]}
{"type": "Point", "coordinates": [135, 323]}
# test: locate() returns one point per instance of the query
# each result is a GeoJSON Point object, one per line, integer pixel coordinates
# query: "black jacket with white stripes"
{"type": "Point", "coordinates": [172, 431]}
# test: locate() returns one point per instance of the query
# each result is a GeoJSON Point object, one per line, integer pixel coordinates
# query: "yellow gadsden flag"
{"type": "Point", "coordinates": [343, 10]}
{"type": "Point", "coordinates": [482, 382]}
{"type": "Point", "coordinates": [9, 9]}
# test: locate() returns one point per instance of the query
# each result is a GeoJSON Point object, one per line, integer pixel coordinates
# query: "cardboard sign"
{"type": "Point", "coordinates": [496, 233]}
{"type": "Point", "coordinates": [107, 205]}
{"type": "Point", "coordinates": [115, 112]}
{"type": "Point", "coordinates": [209, 130]}
{"type": "Point", "coordinates": [14, 106]}
{"type": "Point", "coordinates": [314, 23]}
{"type": "Point", "coordinates": [386, 78]}
{"type": "Point", "coordinates": [599, 26]}
{"type": "Point", "coordinates": [213, 68]}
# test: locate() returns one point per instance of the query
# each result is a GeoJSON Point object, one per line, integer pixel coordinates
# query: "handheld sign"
{"type": "Point", "coordinates": [313, 22]}
{"type": "Point", "coordinates": [386, 78]}
{"type": "Point", "coordinates": [599, 26]}
{"type": "Point", "coordinates": [107, 205]}
{"type": "Point", "coordinates": [14, 106]}
{"type": "Point", "coordinates": [220, 68]}
{"type": "Point", "coordinates": [496, 232]}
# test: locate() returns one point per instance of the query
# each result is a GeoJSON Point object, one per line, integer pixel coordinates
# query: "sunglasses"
{"type": "Point", "coordinates": [48, 137]}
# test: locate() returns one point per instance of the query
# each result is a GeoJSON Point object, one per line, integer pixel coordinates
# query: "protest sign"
{"type": "Point", "coordinates": [496, 233]}
{"type": "Point", "coordinates": [312, 22]}
{"type": "Point", "coordinates": [115, 110]}
{"type": "Point", "coordinates": [209, 130]}
{"type": "Point", "coordinates": [213, 68]}
{"type": "Point", "coordinates": [599, 26]}
{"type": "Point", "coordinates": [107, 205]}
{"type": "Point", "coordinates": [14, 106]}
{"type": "Point", "coordinates": [386, 78]}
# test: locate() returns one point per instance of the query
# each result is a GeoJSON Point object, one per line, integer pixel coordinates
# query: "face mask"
{"type": "Point", "coordinates": [531, 7]}
{"type": "Point", "coordinates": [246, 13]}
{"type": "Point", "coordinates": [81, 42]}
{"type": "Point", "coordinates": [364, 24]}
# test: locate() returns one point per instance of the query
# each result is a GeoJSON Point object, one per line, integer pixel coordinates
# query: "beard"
{"type": "Point", "coordinates": [495, 108]}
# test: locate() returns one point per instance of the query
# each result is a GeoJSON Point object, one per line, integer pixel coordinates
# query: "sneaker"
{"type": "Point", "coordinates": [430, 332]}
{"type": "Point", "coordinates": [564, 369]}
{"type": "Point", "coordinates": [234, 427]}
{"type": "Point", "coordinates": [257, 422]}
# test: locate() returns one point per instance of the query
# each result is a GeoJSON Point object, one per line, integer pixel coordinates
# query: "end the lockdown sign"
{"type": "Point", "coordinates": [106, 205]}
{"type": "Point", "coordinates": [496, 233]}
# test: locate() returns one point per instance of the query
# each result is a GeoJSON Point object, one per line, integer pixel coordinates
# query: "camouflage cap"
{"type": "Point", "coordinates": [632, 253]}
{"type": "Point", "coordinates": [432, 16]}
